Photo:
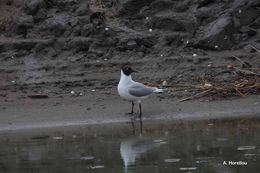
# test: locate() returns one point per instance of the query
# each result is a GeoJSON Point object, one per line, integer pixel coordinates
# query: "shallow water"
{"type": "Point", "coordinates": [162, 147]}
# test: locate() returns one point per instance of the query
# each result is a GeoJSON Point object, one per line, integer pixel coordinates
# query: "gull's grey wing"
{"type": "Point", "coordinates": [140, 90]}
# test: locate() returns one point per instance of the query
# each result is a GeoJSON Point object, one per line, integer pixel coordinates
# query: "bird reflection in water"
{"type": "Point", "coordinates": [136, 146]}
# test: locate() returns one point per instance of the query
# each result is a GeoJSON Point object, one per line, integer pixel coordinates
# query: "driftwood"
{"type": "Point", "coordinates": [196, 95]}
{"type": "Point", "coordinates": [241, 88]}
{"type": "Point", "coordinates": [254, 48]}
{"type": "Point", "coordinates": [245, 64]}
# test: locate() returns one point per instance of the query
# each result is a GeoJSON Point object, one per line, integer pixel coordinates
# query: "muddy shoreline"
{"type": "Point", "coordinates": [42, 114]}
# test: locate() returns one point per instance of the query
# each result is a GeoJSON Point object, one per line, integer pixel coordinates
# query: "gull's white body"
{"type": "Point", "coordinates": [134, 91]}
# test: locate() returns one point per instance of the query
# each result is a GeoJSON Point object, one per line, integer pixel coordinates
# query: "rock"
{"type": "Point", "coordinates": [32, 6]}
{"type": "Point", "coordinates": [146, 42]}
{"type": "Point", "coordinates": [25, 20]}
{"type": "Point", "coordinates": [131, 44]}
{"type": "Point", "coordinates": [175, 38]}
{"type": "Point", "coordinates": [255, 24]}
{"type": "Point", "coordinates": [23, 23]}
{"type": "Point", "coordinates": [203, 3]}
{"type": "Point", "coordinates": [83, 9]}
{"type": "Point", "coordinates": [97, 18]}
{"type": "Point", "coordinates": [174, 22]}
{"type": "Point", "coordinates": [40, 15]}
{"type": "Point", "coordinates": [56, 25]}
{"type": "Point", "coordinates": [140, 54]}
{"type": "Point", "coordinates": [199, 59]}
{"type": "Point", "coordinates": [204, 13]}
{"type": "Point", "coordinates": [215, 34]}
{"type": "Point", "coordinates": [80, 43]}
{"type": "Point", "coordinates": [159, 5]}
{"type": "Point", "coordinates": [246, 11]}
{"type": "Point", "coordinates": [129, 8]}
{"type": "Point", "coordinates": [86, 30]}
{"type": "Point", "coordinates": [182, 6]}
{"type": "Point", "coordinates": [66, 5]}
{"type": "Point", "coordinates": [247, 30]}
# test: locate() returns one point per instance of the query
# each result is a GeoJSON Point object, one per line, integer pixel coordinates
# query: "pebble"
{"type": "Point", "coordinates": [87, 158]}
{"type": "Point", "coordinates": [97, 167]}
{"type": "Point", "coordinates": [240, 148]}
{"type": "Point", "coordinates": [57, 137]}
{"type": "Point", "coordinates": [164, 83]}
{"type": "Point", "coordinates": [172, 160]}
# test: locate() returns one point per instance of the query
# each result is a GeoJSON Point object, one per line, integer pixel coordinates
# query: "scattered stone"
{"type": "Point", "coordinates": [57, 137]}
{"type": "Point", "coordinates": [24, 22]}
{"type": "Point", "coordinates": [249, 31]}
{"type": "Point", "coordinates": [174, 22]}
{"type": "Point", "coordinates": [83, 9]}
{"type": "Point", "coordinates": [164, 83]}
{"type": "Point", "coordinates": [97, 167]}
{"type": "Point", "coordinates": [32, 6]}
{"type": "Point", "coordinates": [174, 160]}
{"type": "Point", "coordinates": [131, 7]}
{"type": "Point", "coordinates": [87, 158]}
{"type": "Point", "coordinates": [56, 25]}
{"type": "Point", "coordinates": [131, 44]}
{"type": "Point", "coordinates": [241, 148]}
{"type": "Point", "coordinates": [215, 33]}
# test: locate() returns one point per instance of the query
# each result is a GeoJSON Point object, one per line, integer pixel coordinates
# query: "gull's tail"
{"type": "Point", "coordinates": [158, 90]}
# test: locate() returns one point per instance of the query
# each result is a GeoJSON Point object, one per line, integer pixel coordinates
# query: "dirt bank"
{"type": "Point", "coordinates": [55, 47]}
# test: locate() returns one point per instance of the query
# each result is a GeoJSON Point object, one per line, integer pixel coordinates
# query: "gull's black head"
{"type": "Point", "coordinates": [127, 70]}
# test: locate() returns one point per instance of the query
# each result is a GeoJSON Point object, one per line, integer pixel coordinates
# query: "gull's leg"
{"type": "Point", "coordinates": [140, 109]}
{"type": "Point", "coordinates": [132, 112]}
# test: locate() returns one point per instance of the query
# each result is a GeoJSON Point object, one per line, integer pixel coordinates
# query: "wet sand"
{"type": "Point", "coordinates": [100, 108]}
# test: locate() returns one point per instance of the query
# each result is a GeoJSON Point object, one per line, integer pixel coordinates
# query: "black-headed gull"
{"type": "Point", "coordinates": [134, 91]}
